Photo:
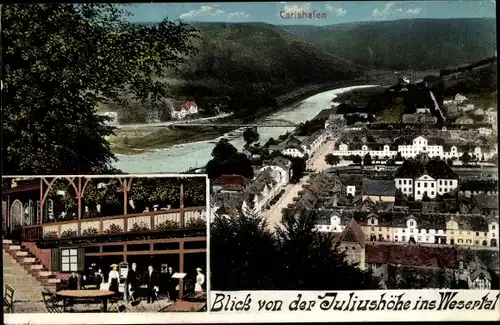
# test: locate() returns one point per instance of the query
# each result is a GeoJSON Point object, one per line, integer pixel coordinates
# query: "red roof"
{"type": "Point", "coordinates": [411, 254]}
{"type": "Point", "coordinates": [352, 233]}
{"type": "Point", "coordinates": [181, 106]}
{"type": "Point", "coordinates": [232, 182]}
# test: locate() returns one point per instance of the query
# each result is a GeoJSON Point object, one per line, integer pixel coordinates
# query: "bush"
{"type": "Point", "coordinates": [196, 223]}
{"type": "Point", "coordinates": [91, 231]}
{"type": "Point", "coordinates": [141, 226]}
{"type": "Point", "coordinates": [113, 229]}
{"type": "Point", "coordinates": [167, 224]}
{"type": "Point", "coordinates": [50, 235]}
{"type": "Point", "coordinates": [69, 233]}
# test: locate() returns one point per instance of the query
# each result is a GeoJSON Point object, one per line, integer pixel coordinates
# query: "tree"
{"type": "Point", "coordinates": [466, 158]}
{"type": "Point", "coordinates": [305, 253]}
{"type": "Point", "coordinates": [332, 160]}
{"type": "Point", "coordinates": [295, 256]}
{"type": "Point", "coordinates": [398, 157]}
{"type": "Point", "coordinates": [367, 160]}
{"type": "Point", "coordinates": [240, 244]}
{"type": "Point", "coordinates": [250, 135]}
{"type": "Point", "coordinates": [357, 160]}
{"type": "Point", "coordinates": [63, 60]}
{"type": "Point", "coordinates": [227, 160]}
{"type": "Point", "coordinates": [298, 168]}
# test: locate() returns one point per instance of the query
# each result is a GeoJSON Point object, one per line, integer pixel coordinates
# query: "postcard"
{"type": "Point", "coordinates": [250, 162]}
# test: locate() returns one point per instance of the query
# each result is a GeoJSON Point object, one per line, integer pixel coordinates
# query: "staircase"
{"type": "Point", "coordinates": [25, 273]}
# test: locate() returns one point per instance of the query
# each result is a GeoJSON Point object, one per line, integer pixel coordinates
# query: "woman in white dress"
{"type": "Point", "coordinates": [200, 279]}
{"type": "Point", "coordinates": [113, 278]}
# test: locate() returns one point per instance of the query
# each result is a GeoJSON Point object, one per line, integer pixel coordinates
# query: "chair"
{"type": "Point", "coordinates": [114, 301]}
{"type": "Point", "coordinates": [51, 302]}
{"type": "Point", "coordinates": [8, 299]}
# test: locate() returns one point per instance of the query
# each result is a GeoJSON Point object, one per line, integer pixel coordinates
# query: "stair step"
{"type": "Point", "coordinates": [29, 260]}
{"type": "Point", "coordinates": [44, 273]}
{"type": "Point", "coordinates": [54, 280]}
{"type": "Point", "coordinates": [7, 241]}
{"type": "Point", "coordinates": [21, 253]}
{"type": "Point", "coordinates": [36, 266]}
{"type": "Point", "coordinates": [14, 247]}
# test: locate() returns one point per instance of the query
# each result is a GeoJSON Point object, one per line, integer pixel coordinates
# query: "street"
{"type": "Point", "coordinates": [316, 163]}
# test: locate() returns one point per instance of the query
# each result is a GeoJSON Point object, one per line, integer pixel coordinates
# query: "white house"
{"type": "Point", "coordinates": [410, 230]}
{"type": "Point", "coordinates": [459, 99]}
{"type": "Point", "coordinates": [181, 109]}
{"type": "Point", "coordinates": [314, 142]}
{"type": "Point", "coordinates": [283, 167]}
{"type": "Point", "coordinates": [327, 222]}
{"type": "Point", "coordinates": [112, 116]}
{"type": "Point", "coordinates": [419, 177]}
{"type": "Point", "coordinates": [294, 151]}
{"type": "Point", "coordinates": [346, 150]}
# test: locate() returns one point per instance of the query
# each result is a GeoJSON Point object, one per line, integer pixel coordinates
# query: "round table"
{"type": "Point", "coordinates": [86, 294]}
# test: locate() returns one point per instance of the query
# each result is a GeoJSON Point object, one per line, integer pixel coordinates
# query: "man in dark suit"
{"type": "Point", "coordinates": [151, 279]}
{"type": "Point", "coordinates": [172, 283]}
{"type": "Point", "coordinates": [132, 281]}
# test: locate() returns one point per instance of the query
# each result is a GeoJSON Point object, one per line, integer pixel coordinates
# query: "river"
{"type": "Point", "coordinates": [181, 158]}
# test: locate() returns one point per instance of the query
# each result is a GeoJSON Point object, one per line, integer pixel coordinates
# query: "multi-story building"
{"type": "Point", "coordinates": [410, 147]}
{"type": "Point", "coordinates": [418, 178]}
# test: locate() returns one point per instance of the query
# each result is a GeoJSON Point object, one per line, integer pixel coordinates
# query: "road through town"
{"type": "Point", "coordinates": [316, 163]}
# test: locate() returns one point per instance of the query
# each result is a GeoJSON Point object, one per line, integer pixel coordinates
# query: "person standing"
{"type": "Point", "coordinates": [172, 292]}
{"type": "Point", "coordinates": [113, 278]}
{"type": "Point", "coordinates": [132, 281]}
{"type": "Point", "coordinates": [200, 280]}
{"type": "Point", "coordinates": [151, 279]}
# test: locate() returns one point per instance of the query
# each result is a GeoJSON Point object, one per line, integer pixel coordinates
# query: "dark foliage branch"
{"type": "Point", "coordinates": [59, 66]}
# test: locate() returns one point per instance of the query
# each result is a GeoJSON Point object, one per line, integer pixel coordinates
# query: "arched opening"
{"type": "Point", "coordinates": [412, 240]}
{"type": "Point", "coordinates": [485, 243]}
{"type": "Point", "coordinates": [452, 241]}
{"type": "Point", "coordinates": [493, 242]}
{"type": "Point", "coordinates": [16, 216]}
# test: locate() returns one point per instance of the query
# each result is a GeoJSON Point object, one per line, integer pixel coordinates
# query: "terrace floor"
{"type": "Point", "coordinates": [143, 306]}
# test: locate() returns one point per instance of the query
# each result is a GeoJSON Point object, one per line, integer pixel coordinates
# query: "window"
{"type": "Point", "coordinates": [418, 184]}
{"type": "Point", "coordinates": [373, 228]}
{"type": "Point", "coordinates": [426, 238]}
{"type": "Point", "coordinates": [425, 184]}
{"type": "Point", "coordinates": [477, 234]}
{"type": "Point", "coordinates": [411, 223]}
{"type": "Point", "coordinates": [445, 182]}
{"type": "Point", "coordinates": [477, 242]}
{"type": "Point", "coordinates": [380, 229]}
{"type": "Point", "coordinates": [69, 260]}
{"type": "Point", "coordinates": [404, 238]}
{"type": "Point", "coordinates": [432, 185]}
{"type": "Point", "coordinates": [418, 192]}
{"type": "Point", "coordinates": [440, 182]}
{"type": "Point", "coordinates": [418, 238]}
{"type": "Point", "coordinates": [485, 234]}
{"type": "Point", "coordinates": [493, 227]}
{"type": "Point", "coordinates": [388, 237]}
{"type": "Point", "coordinates": [404, 230]}
{"type": "Point", "coordinates": [411, 231]}
{"type": "Point", "coordinates": [400, 182]}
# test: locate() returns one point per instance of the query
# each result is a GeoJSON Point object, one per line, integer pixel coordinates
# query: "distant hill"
{"type": "Point", "coordinates": [256, 62]}
{"type": "Point", "coordinates": [405, 44]}
{"type": "Point", "coordinates": [252, 63]}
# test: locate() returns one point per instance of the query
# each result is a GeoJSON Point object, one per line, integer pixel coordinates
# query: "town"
{"type": "Point", "coordinates": [416, 203]}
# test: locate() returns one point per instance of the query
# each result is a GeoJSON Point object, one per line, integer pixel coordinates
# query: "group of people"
{"type": "Point", "coordinates": [152, 281]}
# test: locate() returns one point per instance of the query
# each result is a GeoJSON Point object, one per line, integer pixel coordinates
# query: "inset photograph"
{"type": "Point", "coordinates": [104, 244]}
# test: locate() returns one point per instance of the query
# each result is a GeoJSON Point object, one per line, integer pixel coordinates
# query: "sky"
{"type": "Point", "coordinates": [329, 12]}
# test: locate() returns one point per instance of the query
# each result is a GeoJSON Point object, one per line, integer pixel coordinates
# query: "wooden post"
{"type": "Point", "coordinates": [181, 269]}
{"type": "Point", "coordinates": [125, 196]}
{"type": "Point", "coordinates": [181, 206]}
{"type": "Point", "coordinates": [41, 201]}
{"type": "Point", "coordinates": [125, 253]}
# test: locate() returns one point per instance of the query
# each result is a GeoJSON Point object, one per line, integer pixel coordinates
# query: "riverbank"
{"type": "Point", "coordinates": [180, 158]}
{"type": "Point", "coordinates": [164, 137]}
{"type": "Point", "coordinates": [156, 137]}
